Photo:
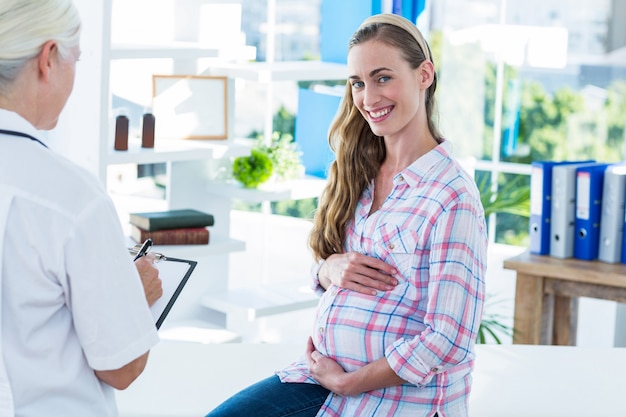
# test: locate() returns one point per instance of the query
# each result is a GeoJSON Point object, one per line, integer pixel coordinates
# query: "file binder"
{"type": "Point", "coordinates": [563, 209]}
{"type": "Point", "coordinates": [541, 204]}
{"type": "Point", "coordinates": [612, 218]}
{"type": "Point", "coordinates": [589, 183]}
{"type": "Point", "coordinates": [540, 195]}
{"type": "Point", "coordinates": [623, 257]}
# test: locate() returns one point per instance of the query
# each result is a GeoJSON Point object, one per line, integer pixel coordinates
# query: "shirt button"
{"type": "Point", "coordinates": [391, 246]}
{"type": "Point", "coordinates": [321, 330]}
{"type": "Point", "coordinates": [435, 370]}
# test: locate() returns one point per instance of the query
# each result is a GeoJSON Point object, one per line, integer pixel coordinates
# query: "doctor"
{"type": "Point", "coordinates": [74, 321]}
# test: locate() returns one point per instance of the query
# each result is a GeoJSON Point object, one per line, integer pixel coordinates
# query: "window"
{"type": "Point", "coordinates": [529, 80]}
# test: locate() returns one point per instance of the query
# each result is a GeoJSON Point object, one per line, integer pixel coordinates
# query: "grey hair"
{"type": "Point", "coordinates": [26, 25]}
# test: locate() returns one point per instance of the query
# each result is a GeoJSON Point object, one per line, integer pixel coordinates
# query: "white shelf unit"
{"type": "Point", "coordinates": [178, 50]}
{"type": "Point", "coordinates": [307, 187]}
{"type": "Point", "coordinates": [175, 50]}
{"type": "Point", "coordinates": [261, 302]}
{"type": "Point", "coordinates": [88, 140]}
{"type": "Point", "coordinates": [175, 151]}
{"type": "Point", "coordinates": [264, 300]}
{"type": "Point", "coordinates": [218, 245]}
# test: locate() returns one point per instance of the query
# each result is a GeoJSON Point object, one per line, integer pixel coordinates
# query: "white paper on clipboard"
{"type": "Point", "coordinates": [174, 273]}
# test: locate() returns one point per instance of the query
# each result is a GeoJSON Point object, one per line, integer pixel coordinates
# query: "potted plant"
{"type": "Point", "coordinates": [254, 169]}
{"type": "Point", "coordinates": [285, 155]}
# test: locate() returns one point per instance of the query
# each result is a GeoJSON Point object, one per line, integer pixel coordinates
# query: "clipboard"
{"type": "Point", "coordinates": [174, 274]}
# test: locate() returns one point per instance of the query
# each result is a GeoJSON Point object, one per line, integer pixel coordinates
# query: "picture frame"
{"type": "Point", "coordinates": [190, 106]}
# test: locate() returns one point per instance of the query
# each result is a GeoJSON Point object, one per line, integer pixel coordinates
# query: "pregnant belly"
{"type": "Point", "coordinates": [356, 329]}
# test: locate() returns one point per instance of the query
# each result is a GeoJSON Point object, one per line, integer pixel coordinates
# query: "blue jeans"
{"type": "Point", "coordinates": [272, 398]}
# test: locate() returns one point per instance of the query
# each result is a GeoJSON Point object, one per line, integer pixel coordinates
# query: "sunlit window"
{"type": "Point", "coordinates": [523, 81]}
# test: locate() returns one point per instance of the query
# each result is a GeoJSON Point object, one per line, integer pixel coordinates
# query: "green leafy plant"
{"type": "Point", "coordinates": [284, 153]}
{"type": "Point", "coordinates": [253, 170]}
{"type": "Point", "coordinates": [492, 327]}
{"type": "Point", "coordinates": [512, 197]}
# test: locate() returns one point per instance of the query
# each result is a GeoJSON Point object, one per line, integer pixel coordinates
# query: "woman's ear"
{"type": "Point", "coordinates": [426, 73]}
{"type": "Point", "coordinates": [46, 58]}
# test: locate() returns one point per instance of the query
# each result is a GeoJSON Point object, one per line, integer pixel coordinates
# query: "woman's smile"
{"type": "Point", "coordinates": [380, 114]}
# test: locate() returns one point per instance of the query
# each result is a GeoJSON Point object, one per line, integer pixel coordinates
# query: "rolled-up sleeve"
{"type": "Point", "coordinates": [457, 264]}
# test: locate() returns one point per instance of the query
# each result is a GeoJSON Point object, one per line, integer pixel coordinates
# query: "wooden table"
{"type": "Point", "coordinates": [547, 291]}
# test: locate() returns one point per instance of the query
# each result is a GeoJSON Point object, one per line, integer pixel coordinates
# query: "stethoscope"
{"type": "Point", "coordinates": [23, 135]}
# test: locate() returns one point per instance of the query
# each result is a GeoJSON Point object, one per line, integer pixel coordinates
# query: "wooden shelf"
{"type": "Point", "coordinates": [547, 290]}
{"type": "Point", "coordinates": [571, 269]}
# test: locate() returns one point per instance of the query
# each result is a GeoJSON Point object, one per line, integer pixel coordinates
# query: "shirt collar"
{"type": "Point", "coordinates": [10, 120]}
{"type": "Point", "coordinates": [418, 169]}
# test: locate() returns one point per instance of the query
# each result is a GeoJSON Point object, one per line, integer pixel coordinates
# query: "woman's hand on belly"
{"type": "Point", "coordinates": [357, 272]}
{"type": "Point", "coordinates": [330, 374]}
{"type": "Point", "coordinates": [326, 371]}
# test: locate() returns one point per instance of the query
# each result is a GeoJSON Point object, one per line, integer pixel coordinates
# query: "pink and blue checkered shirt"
{"type": "Point", "coordinates": [432, 229]}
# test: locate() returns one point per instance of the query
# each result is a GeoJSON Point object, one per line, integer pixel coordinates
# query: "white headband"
{"type": "Point", "coordinates": [403, 23]}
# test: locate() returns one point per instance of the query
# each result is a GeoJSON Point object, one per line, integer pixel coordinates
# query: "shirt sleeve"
{"type": "Point", "coordinates": [110, 312]}
{"type": "Point", "coordinates": [457, 266]}
{"type": "Point", "coordinates": [315, 279]}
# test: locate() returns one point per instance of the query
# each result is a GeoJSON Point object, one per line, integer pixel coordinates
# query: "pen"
{"type": "Point", "coordinates": [157, 256]}
{"type": "Point", "coordinates": [144, 249]}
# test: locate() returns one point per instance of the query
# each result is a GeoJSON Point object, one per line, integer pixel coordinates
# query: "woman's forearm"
{"type": "Point", "coordinates": [375, 375]}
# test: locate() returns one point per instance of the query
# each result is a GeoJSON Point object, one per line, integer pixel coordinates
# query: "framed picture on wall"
{"type": "Point", "coordinates": [190, 106]}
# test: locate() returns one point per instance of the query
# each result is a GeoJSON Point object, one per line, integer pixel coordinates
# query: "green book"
{"type": "Point", "coordinates": [171, 219]}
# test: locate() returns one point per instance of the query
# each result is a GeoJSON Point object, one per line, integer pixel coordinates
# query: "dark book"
{"type": "Point", "coordinates": [182, 236]}
{"type": "Point", "coordinates": [171, 219]}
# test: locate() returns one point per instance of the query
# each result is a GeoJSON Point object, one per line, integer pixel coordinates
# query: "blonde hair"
{"type": "Point", "coordinates": [359, 152]}
{"type": "Point", "coordinates": [26, 25]}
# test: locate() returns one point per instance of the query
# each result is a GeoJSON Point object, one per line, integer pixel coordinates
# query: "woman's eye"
{"type": "Point", "coordinates": [383, 79]}
{"type": "Point", "coordinates": [358, 84]}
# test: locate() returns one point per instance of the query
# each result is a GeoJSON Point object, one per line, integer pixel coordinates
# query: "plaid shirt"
{"type": "Point", "coordinates": [432, 229]}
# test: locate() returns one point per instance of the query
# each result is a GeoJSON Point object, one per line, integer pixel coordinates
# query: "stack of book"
{"type": "Point", "coordinates": [171, 227]}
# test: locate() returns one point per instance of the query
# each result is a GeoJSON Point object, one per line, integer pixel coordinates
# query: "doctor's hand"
{"type": "Point", "coordinates": [149, 274]}
{"type": "Point", "coordinates": [357, 272]}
